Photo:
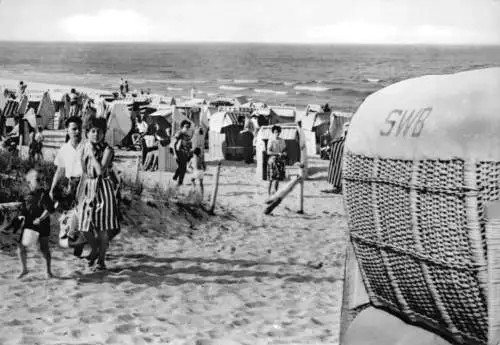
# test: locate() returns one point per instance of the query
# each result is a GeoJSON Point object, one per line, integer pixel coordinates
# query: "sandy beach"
{"type": "Point", "coordinates": [179, 276]}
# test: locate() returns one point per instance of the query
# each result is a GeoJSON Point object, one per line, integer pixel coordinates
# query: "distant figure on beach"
{"type": "Point", "coordinates": [302, 146]}
{"type": "Point", "coordinates": [335, 167]}
{"type": "Point", "coordinates": [22, 88]}
{"type": "Point", "coordinates": [73, 111]}
{"type": "Point", "coordinates": [197, 168]}
{"type": "Point", "coordinates": [193, 93]}
{"type": "Point", "coordinates": [126, 87]}
{"type": "Point", "coordinates": [36, 145]}
{"type": "Point", "coordinates": [36, 211]}
{"type": "Point", "coordinates": [122, 87]}
{"type": "Point", "coordinates": [247, 138]}
{"type": "Point", "coordinates": [69, 165]}
{"type": "Point", "coordinates": [276, 151]}
{"type": "Point", "coordinates": [98, 210]}
{"type": "Point", "coordinates": [182, 151]}
{"type": "Point", "coordinates": [326, 108]}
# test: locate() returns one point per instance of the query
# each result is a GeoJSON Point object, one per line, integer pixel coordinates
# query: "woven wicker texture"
{"type": "Point", "coordinates": [418, 231]}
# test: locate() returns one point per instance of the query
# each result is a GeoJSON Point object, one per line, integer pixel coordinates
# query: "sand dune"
{"type": "Point", "coordinates": [178, 276]}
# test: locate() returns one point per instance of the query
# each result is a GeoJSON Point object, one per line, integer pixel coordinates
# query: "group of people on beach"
{"type": "Point", "coordinates": [84, 187]}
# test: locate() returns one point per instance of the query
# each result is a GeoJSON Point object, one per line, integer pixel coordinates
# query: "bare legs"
{"type": "Point", "coordinates": [22, 258]}
{"type": "Point", "coordinates": [276, 185]}
{"type": "Point", "coordinates": [44, 249]}
{"type": "Point", "coordinates": [99, 247]}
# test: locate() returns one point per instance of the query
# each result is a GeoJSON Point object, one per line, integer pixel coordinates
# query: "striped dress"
{"type": "Point", "coordinates": [98, 209]}
{"type": "Point", "coordinates": [335, 167]}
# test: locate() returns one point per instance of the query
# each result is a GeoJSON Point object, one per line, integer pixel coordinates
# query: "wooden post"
{"type": "Point", "coordinates": [301, 196]}
{"type": "Point", "coordinates": [215, 189]}
{"type": "Point", "coordinates": [276, 199]}
{"type": "Point", "coordinates": [21, 132]}
{"type": "Point", "coordinates": [138, 167]}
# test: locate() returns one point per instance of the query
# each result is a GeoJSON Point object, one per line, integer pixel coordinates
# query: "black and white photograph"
{"type": "Point", "coordinates": [209, 172]}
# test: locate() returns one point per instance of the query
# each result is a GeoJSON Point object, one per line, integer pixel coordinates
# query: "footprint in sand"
{"type": "Point", "coordinates": [125, 328]}
{"type": "Point", "coordinates": [14, 322]}
{"type": "Point", "coordinates": [125, 318]}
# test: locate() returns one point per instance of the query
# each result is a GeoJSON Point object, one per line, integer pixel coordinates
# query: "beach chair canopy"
{"type": "Point", "coordinates": [421, 163]}
{"type": "Point", "coordinates": [312, 120]}
{"type": "Point", "coordinates": [222, 119]}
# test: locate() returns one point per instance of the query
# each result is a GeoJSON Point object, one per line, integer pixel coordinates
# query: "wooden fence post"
{"type": "Point", "coordinates": [138, 167]}
{"type": "Point", "coordinates": [215, 189]}
{"type": "Point", "coordinates": [301, 196]}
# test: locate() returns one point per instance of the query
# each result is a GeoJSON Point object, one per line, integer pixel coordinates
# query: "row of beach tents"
{"type": "Point", "coordinates": [219, 121]}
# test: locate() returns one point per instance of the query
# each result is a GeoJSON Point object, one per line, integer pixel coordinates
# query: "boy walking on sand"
{"type": "Point", "coordinates": [36, 212]}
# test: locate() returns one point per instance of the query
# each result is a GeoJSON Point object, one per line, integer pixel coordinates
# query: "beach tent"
{"type": "Point", "coordinates": [289, 133]}
{"type": "Point", "coordinates": [223, 135]}
{"type": "Point", "coordinates": [284, 114]}
{"type": "Point", "coordinates": [314, 126]}
{"type": "Point", "coordinates": [10, 108]}
{"type": "Point", "coordinates": [44, 108]}
{"type": "Point", "coordinates": [240, 100]}
{"type": "Point", "coordinates": [119, 123]}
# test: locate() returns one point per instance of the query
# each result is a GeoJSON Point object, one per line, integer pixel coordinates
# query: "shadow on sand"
{"type": "Point", "coordinates": [154, 271]}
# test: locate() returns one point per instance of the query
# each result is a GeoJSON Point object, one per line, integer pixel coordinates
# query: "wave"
{"type": "Point", "coordinates": [245, 81]}
{"type": "Point", "coordinates": [270, 91]}
{"type": "Point", "coordinates": [170, 88]}
{"type": "Point", "coordinates": [311, 88]}
{"type": "Point", "coordinates": [232, 88]}
{"type": "Point", "coordinates": [352, 92]}
{"type": "Point", "coordinates": [372, 80]}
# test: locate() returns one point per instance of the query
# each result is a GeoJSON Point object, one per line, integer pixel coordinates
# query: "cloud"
{"type": "Point", "coordinates": [365, 32]}
{"type": "Point", "coordinates": [107, 25]}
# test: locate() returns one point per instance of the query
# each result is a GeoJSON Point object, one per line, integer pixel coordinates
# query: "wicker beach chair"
{"type": "Point", "coordinates": [421, 167]}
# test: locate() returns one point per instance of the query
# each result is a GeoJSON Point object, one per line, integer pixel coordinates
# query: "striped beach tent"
{"type": "Point", "coordinates": [11, 108]}
{"type": "Point", "coordinates": [335, 166]}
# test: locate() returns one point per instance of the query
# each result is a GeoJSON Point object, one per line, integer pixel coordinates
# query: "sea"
{"type": "Point", "coordinates": [280, 74]}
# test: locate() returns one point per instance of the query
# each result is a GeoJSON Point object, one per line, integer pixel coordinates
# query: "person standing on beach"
{"type": "Point", "coordinates": [69, 165]}
{"type": "Point", "coordinates": [98, 208]}
{"type": "Point", "coordinates": [22, 88]}
{"type": "Point", "coordinates": [303, 147]}
{"type": "Point", "coordinates": [126, 87]}
{"type": "Point", "coordinates": [276, 151]}
{"type": "Point", "coordinates": [247, 138]}
{"type": "Point", "coordinates": [182, 151]}
{"type": "Point", "coordinates": [73, 103]}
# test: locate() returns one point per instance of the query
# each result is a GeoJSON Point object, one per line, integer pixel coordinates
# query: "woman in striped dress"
{"type": "Point", "coordinates": [335, 167]}
{"type": "Point", "coordinates": [98, 205]}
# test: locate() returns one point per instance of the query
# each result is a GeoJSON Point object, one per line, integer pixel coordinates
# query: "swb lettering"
{"type": "Point", "coordinates": [406, 122]}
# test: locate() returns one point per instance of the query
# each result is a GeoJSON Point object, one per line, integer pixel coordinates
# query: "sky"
{"type": "Point", "coordinates": [266, 21]}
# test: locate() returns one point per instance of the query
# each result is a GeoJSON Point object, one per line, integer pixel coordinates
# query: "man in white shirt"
{"type": "Point", "coordinates": [69, 164]}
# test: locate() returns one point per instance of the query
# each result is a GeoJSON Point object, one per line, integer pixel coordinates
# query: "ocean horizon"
{"type": "Point", "coordinates": [285, 73]}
